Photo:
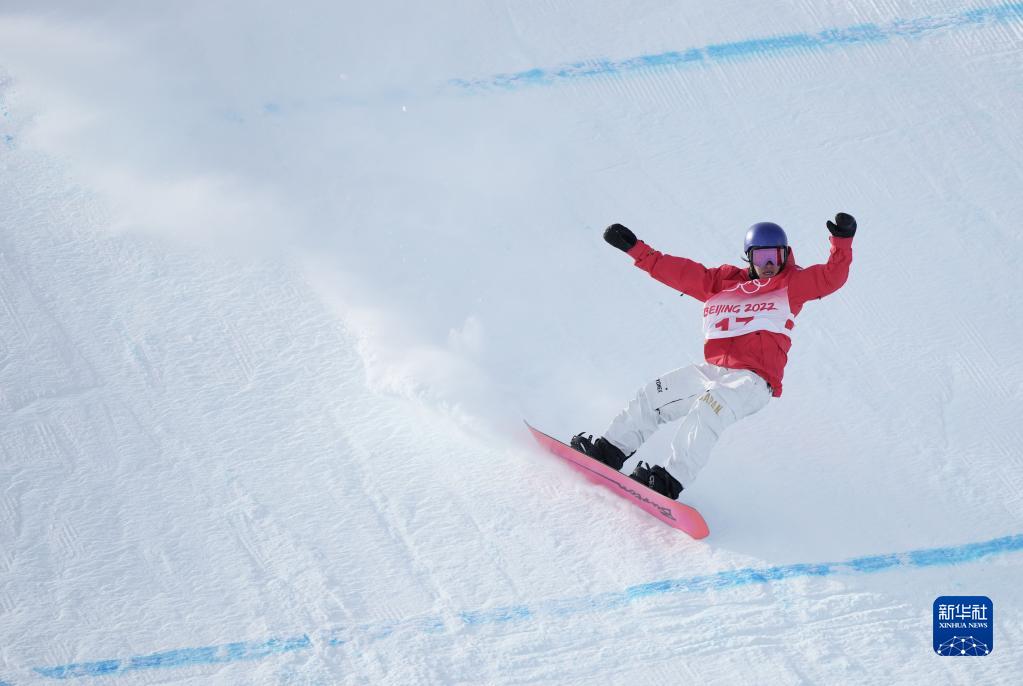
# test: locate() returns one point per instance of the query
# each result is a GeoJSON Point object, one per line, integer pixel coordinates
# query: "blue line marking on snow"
{"type": "Point", "coordinates": [498, 615]}
{"type": "Point", "coordinates": [603, 602]}
{"type": "Point", "coordinates": [875, 563]}
{"type": "Point", "coordinates": [756, 47]}
{"type": "Point", "coordinates": [183, 657]}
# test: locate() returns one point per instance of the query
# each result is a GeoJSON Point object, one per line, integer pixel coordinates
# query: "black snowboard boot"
{"type": "Point", "coordinates": [658, 479]}
{"type": "Point", "coordinates": [600, 450]}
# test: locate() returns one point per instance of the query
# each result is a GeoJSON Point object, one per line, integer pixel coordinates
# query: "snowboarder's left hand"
{"type": "Point", "coordinates": [620, 237]}
{"type": "Point", "coordinates": [844, 225]}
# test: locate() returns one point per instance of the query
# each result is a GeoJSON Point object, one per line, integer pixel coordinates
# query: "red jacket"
{"type": "Point", "coordinates": [765, 350]}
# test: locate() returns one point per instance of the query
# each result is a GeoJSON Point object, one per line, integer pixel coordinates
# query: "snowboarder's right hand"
{"type": "Point", "coordinates": [620, 237]}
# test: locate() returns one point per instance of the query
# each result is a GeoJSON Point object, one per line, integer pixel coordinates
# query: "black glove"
{"type": "Point", "coordinates": [620, 237]}
{"type": "Point", "coordinates": [844, 225]}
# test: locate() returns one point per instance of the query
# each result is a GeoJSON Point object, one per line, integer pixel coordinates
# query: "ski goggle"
{"type": "Point", "coordinates": [761, 257]}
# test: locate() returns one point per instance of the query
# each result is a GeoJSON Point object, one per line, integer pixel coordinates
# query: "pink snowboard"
{"type": "Point", "coordinates": [671, 512]}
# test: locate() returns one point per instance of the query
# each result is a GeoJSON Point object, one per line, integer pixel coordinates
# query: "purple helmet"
{"type": "Point", "coordinates": [766, 235]}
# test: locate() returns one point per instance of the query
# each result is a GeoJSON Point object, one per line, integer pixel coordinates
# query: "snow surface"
{"type": "Point", "coordinates": [278, 282]}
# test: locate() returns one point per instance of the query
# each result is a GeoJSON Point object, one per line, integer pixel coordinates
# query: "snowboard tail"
{"type": "Point", "coordinates": [671, 512]}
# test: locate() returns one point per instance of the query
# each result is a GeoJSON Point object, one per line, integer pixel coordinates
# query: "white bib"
{"type": "Point", "coordinates": [744, 308]}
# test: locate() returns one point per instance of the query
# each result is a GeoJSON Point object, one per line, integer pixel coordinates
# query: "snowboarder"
{"type": "Point", "coordinates": [748, 316]}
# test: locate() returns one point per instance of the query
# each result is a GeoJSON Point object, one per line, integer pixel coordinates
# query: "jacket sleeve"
{"type": "Point", "coordinates": [690, 277]}
{"type": "Point", "coordinates": [822, 279]}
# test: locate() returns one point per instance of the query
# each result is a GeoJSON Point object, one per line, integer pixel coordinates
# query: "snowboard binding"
{"type": "Point", "coordinates": [600, 450]}
{"type": "Point", "coordinates": [658, 479]}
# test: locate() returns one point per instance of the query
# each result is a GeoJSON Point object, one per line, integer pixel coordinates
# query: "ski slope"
{"type": "Point", "coordinates": [279, 282]}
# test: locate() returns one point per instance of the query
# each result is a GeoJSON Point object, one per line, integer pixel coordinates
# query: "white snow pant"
{"type": "Point", "coordinates": [708, 398]}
